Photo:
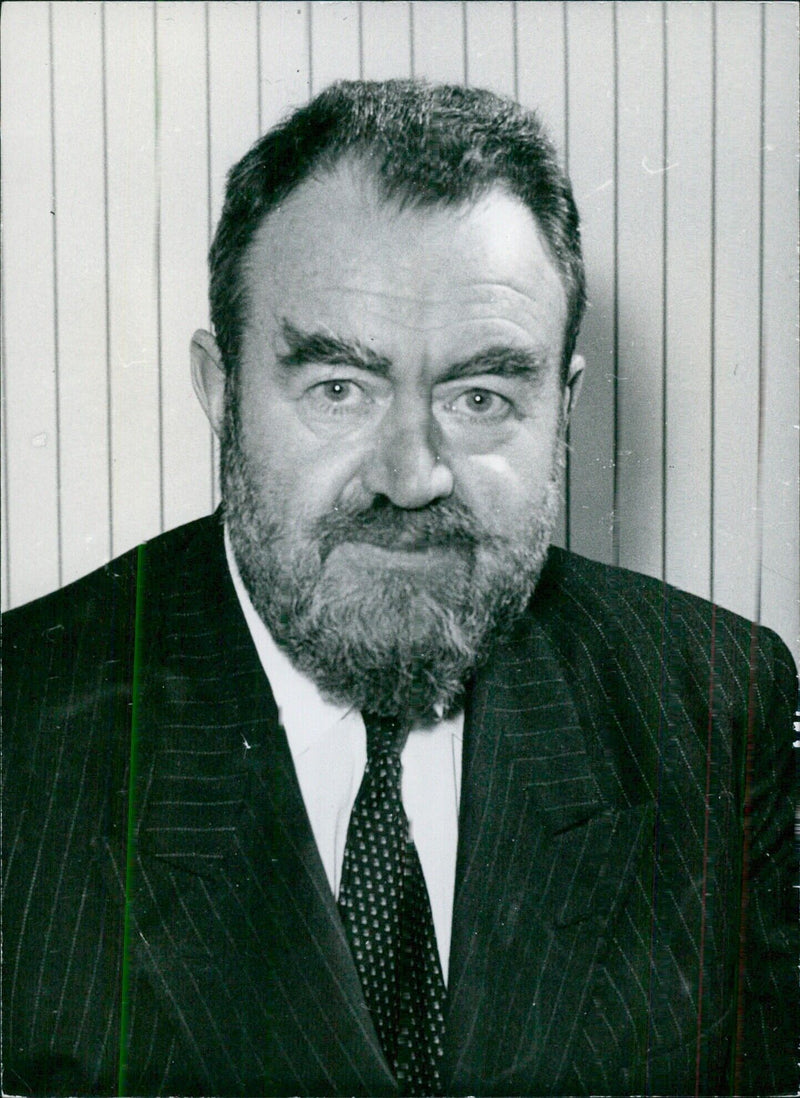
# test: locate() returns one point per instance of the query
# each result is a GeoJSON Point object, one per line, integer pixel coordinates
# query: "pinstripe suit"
{"type": "Point", "coordinates": [597, 929]}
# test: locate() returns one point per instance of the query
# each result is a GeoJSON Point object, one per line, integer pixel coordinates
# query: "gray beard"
{"type": "Point", "coordinates": [393, 643]}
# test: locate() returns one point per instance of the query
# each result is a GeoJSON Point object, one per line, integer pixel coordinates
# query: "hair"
{"type": "Point", "coordinates": [425, 145]}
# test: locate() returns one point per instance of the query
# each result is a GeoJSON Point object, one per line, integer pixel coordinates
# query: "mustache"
{"type": "Point", "coordinates": [446, 523]}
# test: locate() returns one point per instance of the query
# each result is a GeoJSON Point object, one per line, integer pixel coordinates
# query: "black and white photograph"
{"type": "Point", "coordinates": [400, 548]}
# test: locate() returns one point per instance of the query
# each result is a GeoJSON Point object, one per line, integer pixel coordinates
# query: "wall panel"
{"type": "Point", "coordinates": [678, 125]}
{"type": "Point", "coordinates": [689, 331]}
{"type": "Point", "coordinates": [29, 321]}
{"type": "Point", "coordinates": [335, 43]}
{"type": "Point", "coordinates": [542, 63]}
{"type": "Point", "coordinates": [589, 41]}
{"type": "Point", "coordinates": [284, 38]}
{"type": "Point", "coordinates": [781, 500]}
{"type": "Point", "coordinates": [183, 183]}
{"type": "Point", "coordinates": [386, 34]}
{"type": "Point", "coordinates": [232, 31]}
{"type": "Point", "coordinates": [135, 370]}
{"type": "Point", "coordinates": [80, 287]}
{"type": "Point", "coordinates": [641, 172]}
{"type": "Point", "coordinates": [541, 77]}
{"type": "Point", "coordinates": [490, 47]}
{"type": "Point", "coordinates": [233, 89]}
{"type": "Point", "coordinates": [737, 396]}
{"type": "Point", "coordinates": [438, 41]}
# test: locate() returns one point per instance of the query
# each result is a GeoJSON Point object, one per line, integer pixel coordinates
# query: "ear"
{"type": "Point", "coordinates": [208, 377]}
{"type": "Point", "coordinates": [572, 388]}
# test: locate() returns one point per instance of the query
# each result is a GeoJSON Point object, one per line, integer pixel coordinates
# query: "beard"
{"type": "Point", "coordinates": [374, 635]}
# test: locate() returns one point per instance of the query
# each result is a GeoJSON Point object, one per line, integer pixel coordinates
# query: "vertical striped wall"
{"type": "Point", "coordinates": [678, 125]}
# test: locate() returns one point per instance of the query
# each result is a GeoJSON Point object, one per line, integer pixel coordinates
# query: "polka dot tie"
{"type": "Point", "coordinates": [386, 912]}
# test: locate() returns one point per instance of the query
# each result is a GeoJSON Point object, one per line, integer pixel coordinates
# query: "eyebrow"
{"type": "Point", "coordinates": [499, 361]}
{"type": "Point", "coordinates": [308, 348]}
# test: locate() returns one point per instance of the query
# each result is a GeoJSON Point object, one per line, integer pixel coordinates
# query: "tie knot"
{"type": "Point", "coordinates": [385, 735]}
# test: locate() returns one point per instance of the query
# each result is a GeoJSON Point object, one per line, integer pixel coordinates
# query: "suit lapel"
{"type": "Point", "coordinates": [232, 918]}
{"type": "Point", "coordinates": [543, 860]}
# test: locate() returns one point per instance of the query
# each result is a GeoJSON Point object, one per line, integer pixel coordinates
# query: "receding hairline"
{"type": "Point", "coordinates": [430, 145]}
{"type": "Point", "coordinates": [366, 178]}
{"type": "Point", "coordinates": [364, 173]}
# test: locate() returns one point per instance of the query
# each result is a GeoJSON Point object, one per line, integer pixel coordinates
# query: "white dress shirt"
{"type": "Point", "coordinates": [328, 746]}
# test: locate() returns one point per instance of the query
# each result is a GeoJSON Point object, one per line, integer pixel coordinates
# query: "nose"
{"type": "Point", "coordinates": [406, 464]}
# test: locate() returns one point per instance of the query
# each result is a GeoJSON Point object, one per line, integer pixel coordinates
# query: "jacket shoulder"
{"type": "Point", "coordinates": [107, 595]}
{"type": "Point", "coordinates": [72, 651]}
{"type": "Point", "coordinates": [88, 600]}
{"type": "Point", "coordinates": [647, 623]}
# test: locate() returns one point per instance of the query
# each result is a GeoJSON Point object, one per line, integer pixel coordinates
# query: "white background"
{"type": "Point", "coordinates": [678, 125]}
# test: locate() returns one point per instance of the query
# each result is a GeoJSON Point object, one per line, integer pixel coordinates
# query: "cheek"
{"type": "Point", "coordinates": [504, 489]}
{"type": "Point", "coordinates": [297, 473]}
{"type": "Point", "coordinates": [511, 475]}
{"type": "Point", "coordinates": [493, 487]}
{"type": "Point", "coordinates": [493, 466]}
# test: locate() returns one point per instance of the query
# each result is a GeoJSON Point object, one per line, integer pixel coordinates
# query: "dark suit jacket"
{"type": "Point", "coordinates": [623, 916]}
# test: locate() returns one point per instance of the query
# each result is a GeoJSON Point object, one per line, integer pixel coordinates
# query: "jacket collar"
{"type": "Point", "coordinates": [544, 860]}
{"type": "Point", "coordinates": [231, 915]}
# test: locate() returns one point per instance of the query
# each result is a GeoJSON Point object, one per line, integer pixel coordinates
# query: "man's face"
{"type": "Point", "coordinates": [391, 443]}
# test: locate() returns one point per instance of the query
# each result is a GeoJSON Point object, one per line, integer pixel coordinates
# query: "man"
{"type": "Point", "coordinates": [358, 788]}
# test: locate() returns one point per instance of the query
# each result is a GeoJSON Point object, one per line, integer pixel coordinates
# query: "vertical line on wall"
{"type": "Point", "coordinates": [360, 10]}
{"type": "Point", "coordinates": [664, 266]}
{"type": "Point", "coordinates": [464, 41]}
{"type": "Point", "coordinates": [107, 282]}
{"type": "Point", "coordinates": [713, 306]}
{"type": "Point", "coordinates": [568, 448]}
{"type": "Point", "coordinates": [209, 216]}
{"type": "Point", "coordinates": [411, 57]}
{"type": "Point", "coordinates": [4, 420]}
{"type": "Point", "coordinates": [565, 34]}
{"type": "Point", "coordinates": [615, 294]}
{"type": "Point", "coordinates": [762, 125]}
{"type": "Point", "coordinates": [515, 46]}
{"type": "Point", "coordinates": [746, 812]}
{"type": "Point", "coordinates": [54, 233]}
{"type": "Point", "coordinates": [259, 91]}
{"type": "Point", "coordinates": [157, 242]}
{"type": "Point", "coordinates": [310, 46]}
{"type": "Point", "coordinates": [207, 44]}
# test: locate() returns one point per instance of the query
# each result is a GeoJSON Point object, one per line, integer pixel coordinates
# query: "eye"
{"type": "Point", "coordinates": [481, 404]}
{"type": "Point", "coordinates": [336, 394]}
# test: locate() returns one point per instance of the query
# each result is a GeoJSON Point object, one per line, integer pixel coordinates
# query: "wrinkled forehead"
{"type": "Point", "coordinates": [337, 246]}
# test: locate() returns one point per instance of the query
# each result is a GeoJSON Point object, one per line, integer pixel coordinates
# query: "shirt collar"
{"type": "Point", "coordinates": [304, 713]}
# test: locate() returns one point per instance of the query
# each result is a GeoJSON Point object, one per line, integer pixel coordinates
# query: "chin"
{"type": "Point", "coordinates": [395, 590]}
{"type": "Point", "coordinates": [397, 644]}
{"type": "Point", "coordinates": [385, 611]}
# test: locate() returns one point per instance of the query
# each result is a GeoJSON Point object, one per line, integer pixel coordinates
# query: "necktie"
{"type": "Point", "coordinates": [384, 905]}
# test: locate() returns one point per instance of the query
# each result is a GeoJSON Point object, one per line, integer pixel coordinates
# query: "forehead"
{"type": "Point", "coordinates": [337, 254]}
